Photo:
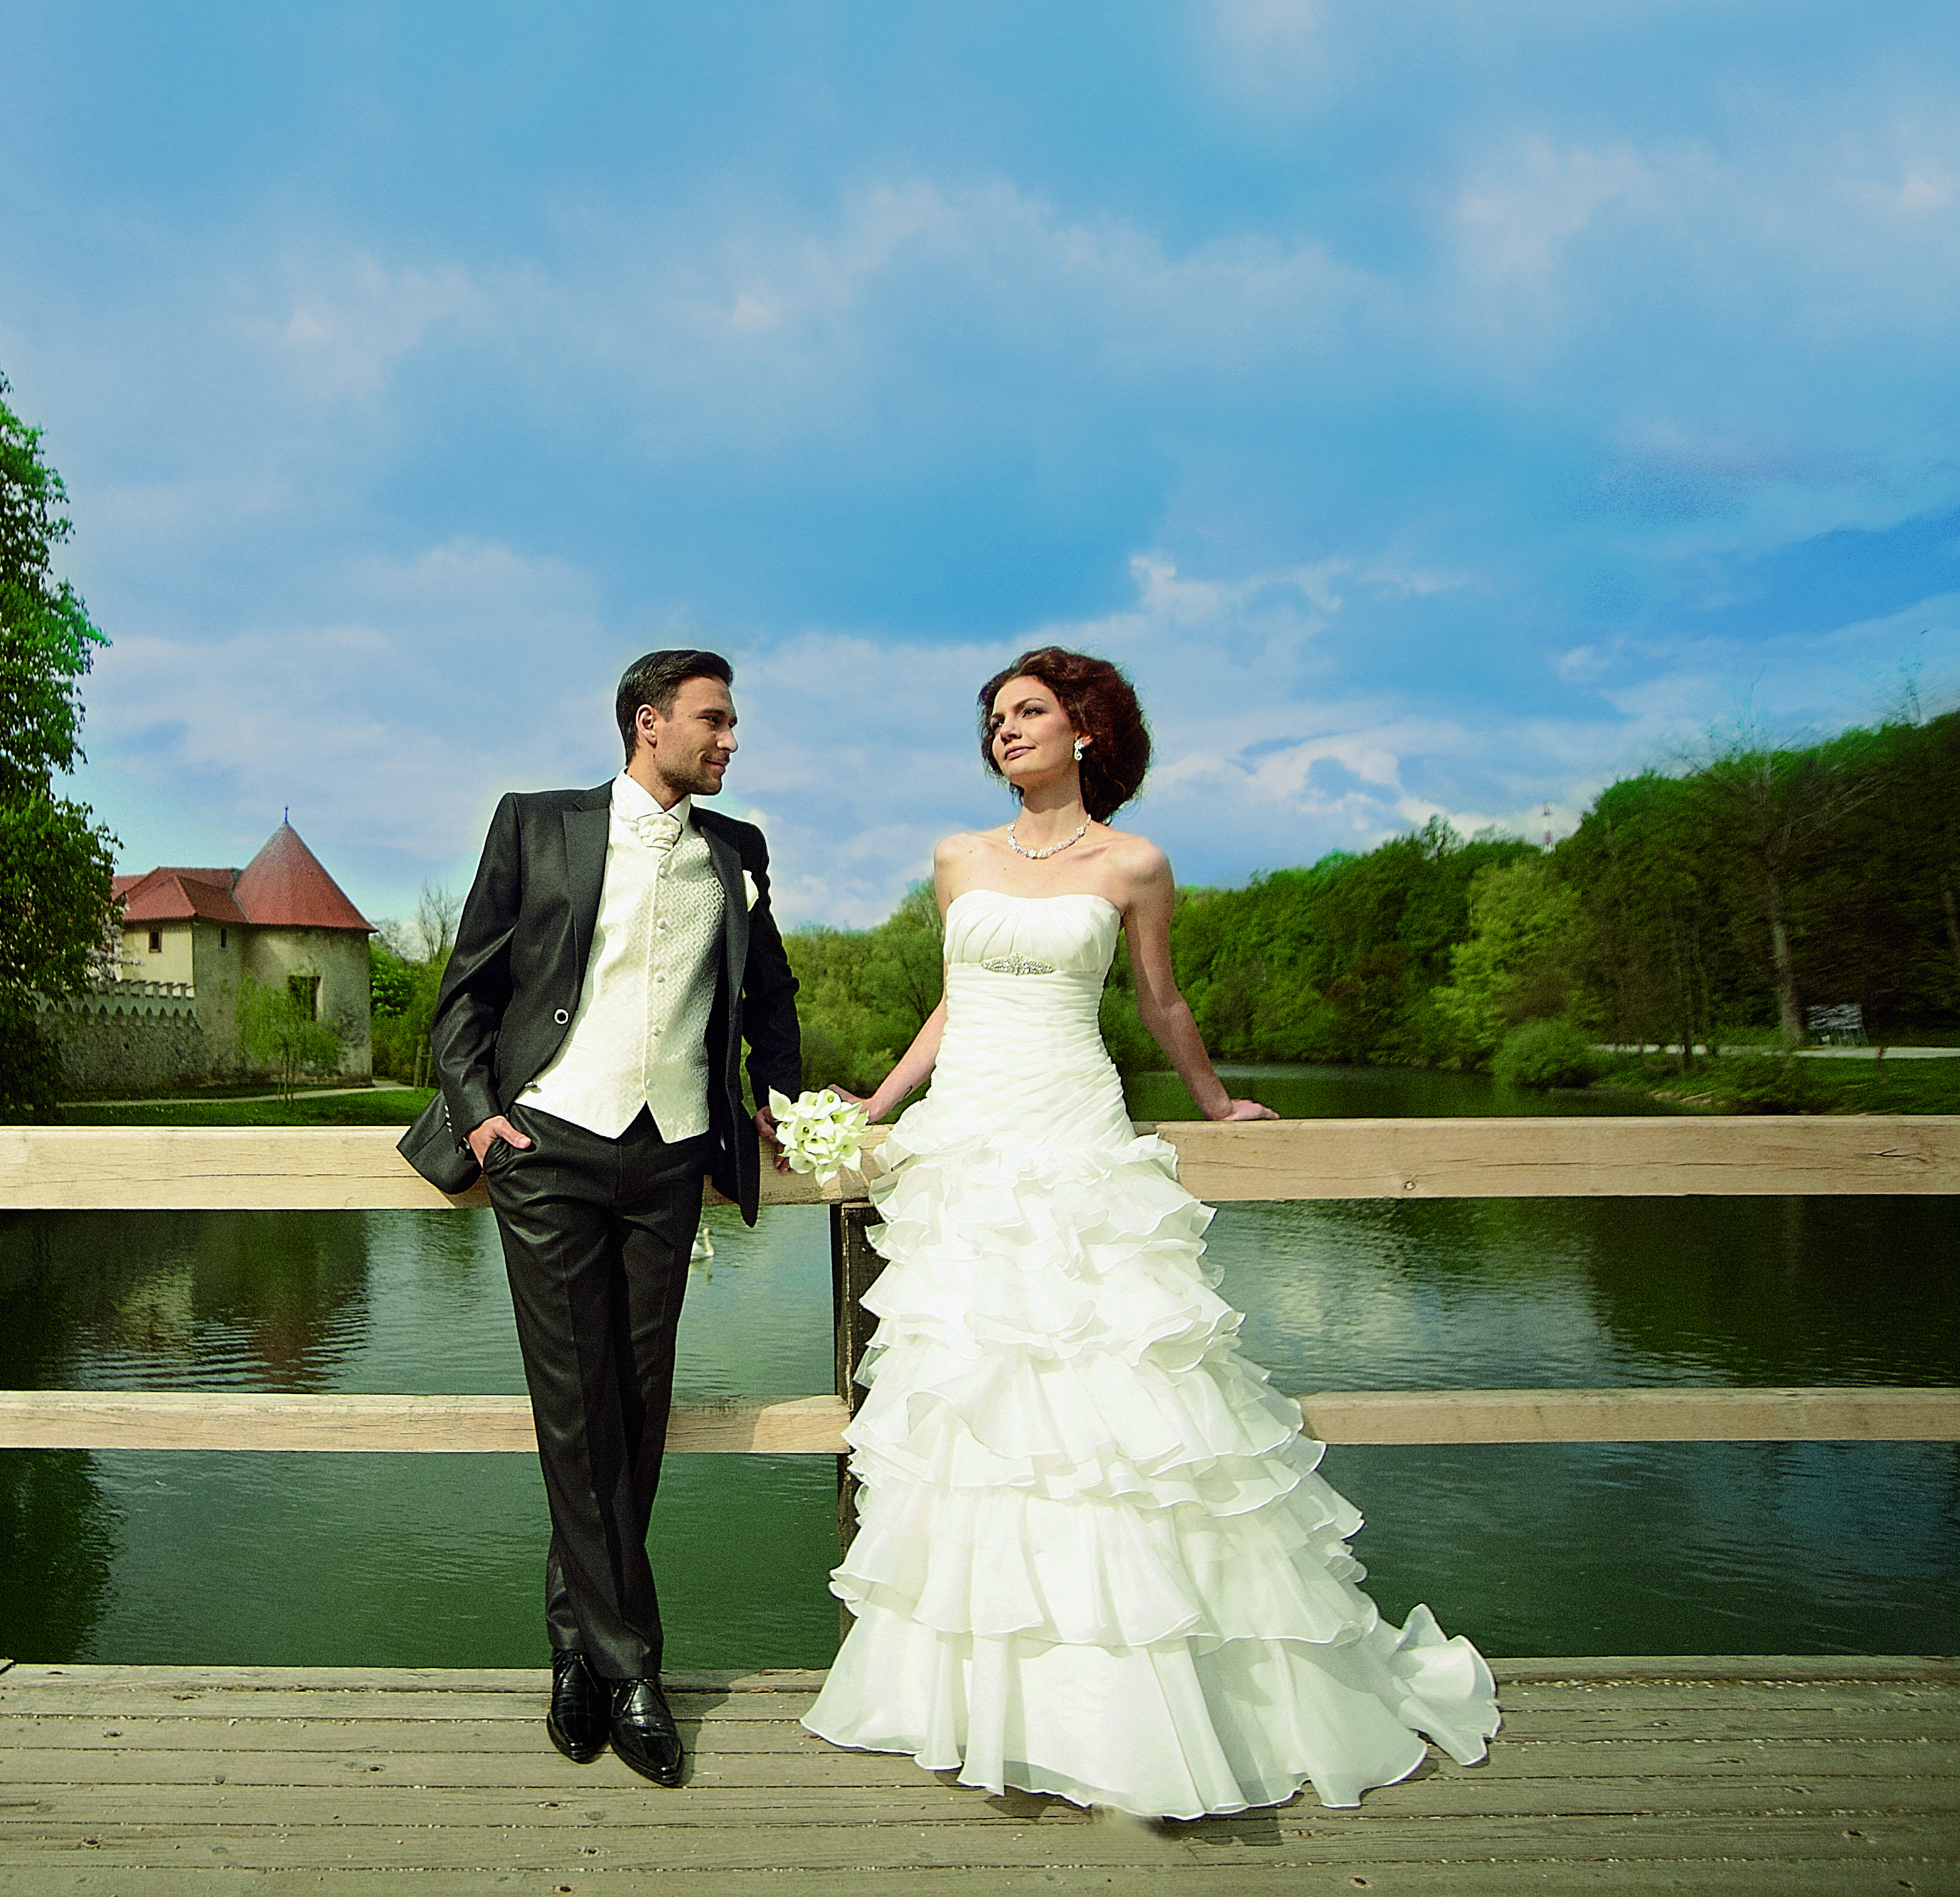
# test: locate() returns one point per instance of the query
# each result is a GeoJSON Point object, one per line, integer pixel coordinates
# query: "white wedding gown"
{"type": "Point", "coordinates": [1094, 1558]}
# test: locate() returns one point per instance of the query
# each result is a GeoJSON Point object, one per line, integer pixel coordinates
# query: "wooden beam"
{"type": "Point", "coordinates": [1782, 1415]}
{"type": "Point", "coordinates": [330, 1168]}
{"type": "Point", "coordinates": [356, 1168]}
{"type": "Point", "coordinates": [812, 1425]}
{"type": "Point", "coordinates": [239, 1419]}
{"type": "Point", "coordinates": [1660, 1155]}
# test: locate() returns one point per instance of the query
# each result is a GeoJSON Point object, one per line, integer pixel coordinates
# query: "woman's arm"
{"type": "Point", "coordinates": [1162, 1009]}
{"type": "Point", "coordinates": [914, 1065]}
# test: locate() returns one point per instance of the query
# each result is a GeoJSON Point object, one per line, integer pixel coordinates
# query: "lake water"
{"type": "Point", "coordinates": [436, 1560]}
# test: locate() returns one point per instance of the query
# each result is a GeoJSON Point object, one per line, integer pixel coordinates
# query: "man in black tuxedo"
{"type": "Point", "coordinates": [616, 948]}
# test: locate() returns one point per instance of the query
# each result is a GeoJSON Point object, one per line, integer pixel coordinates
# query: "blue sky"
{"type": "Point", "coordinates": [1438, 407]}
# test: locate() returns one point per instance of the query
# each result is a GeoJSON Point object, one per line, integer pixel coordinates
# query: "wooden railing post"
{"type": "Point", "coordinates": [854, 1266]}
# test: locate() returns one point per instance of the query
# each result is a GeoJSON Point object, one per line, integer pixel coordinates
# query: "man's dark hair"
{"type": "Point", "coordinates": [654, 678]}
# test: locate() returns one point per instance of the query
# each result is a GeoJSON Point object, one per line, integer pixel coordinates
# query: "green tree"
{"type": "Point", "coordinates": [1521, 961]}
{"type": "Point", "coordinates": [405, 967]}
{"type": "Point", "coordinates": [1659, 955]}
{"type": "Point", "coordinates": [280, 1032]}
{"type": "Point", "coordinates": [1765, 809]}
{"type": "Point", "coordinates": [55, 860]}
{"type": "Point", "coordinates": [1877, 920]}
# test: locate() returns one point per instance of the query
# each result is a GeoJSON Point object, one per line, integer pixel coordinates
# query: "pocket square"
{"type": "Point", "coordinates": [749, 892]}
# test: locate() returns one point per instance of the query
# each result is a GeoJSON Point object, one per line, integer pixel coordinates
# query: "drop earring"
{"type": "Point", "coordinates": [1079, 748]}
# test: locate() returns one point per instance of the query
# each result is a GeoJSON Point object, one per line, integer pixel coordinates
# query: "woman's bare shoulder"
{"type": "Point", "coordinates": [1137, 860]}
{"type": "Point", "coordinates": [962, 847]}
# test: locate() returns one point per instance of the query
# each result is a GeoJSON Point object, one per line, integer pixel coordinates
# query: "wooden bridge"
{"type": "Point", "coordinates": [1795, 1775]}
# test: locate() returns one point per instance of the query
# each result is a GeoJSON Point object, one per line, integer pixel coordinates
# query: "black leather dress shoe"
{"type": "Point", "coordinates": [644, 1733]}
{"type": "Point", "coordinates": [581, 1709]}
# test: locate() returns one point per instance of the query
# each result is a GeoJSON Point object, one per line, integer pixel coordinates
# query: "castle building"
{"type": "Point", "coordinates": [190, 938]}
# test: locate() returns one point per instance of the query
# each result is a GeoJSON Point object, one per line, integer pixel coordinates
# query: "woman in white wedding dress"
{"type": "Point", "coordinates": [1094, 1557]}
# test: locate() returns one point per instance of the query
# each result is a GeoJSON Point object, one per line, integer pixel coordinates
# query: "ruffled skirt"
{"type": "Point", "coordinates": [1095, 1558]}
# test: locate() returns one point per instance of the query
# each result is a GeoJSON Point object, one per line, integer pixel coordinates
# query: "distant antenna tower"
{"type": "Point", "coordinates": [1548, 827]}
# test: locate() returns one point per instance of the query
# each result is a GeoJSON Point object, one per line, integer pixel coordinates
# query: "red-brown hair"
{"type": "Point", "coordinates": [1101, 704]}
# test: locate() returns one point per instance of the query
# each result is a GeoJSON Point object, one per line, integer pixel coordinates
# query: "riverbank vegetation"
{"type": "Point", "coordinates": [380, 1107]}
{"type": "Point", "coordinates": [1719, 901]}
{"type": "Point", "coordinates": [405, 965]}
{"type": "Point", "coordinates": [1746, 1082]}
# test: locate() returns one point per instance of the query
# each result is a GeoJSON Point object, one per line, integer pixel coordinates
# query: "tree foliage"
{"type": "Point", "coordinates": [55, 860]}
{"type": "Point", "coordinates": [279, 1031]}
{"type": "Point", "coordinates": [1338, 962]}
{"type": "Point", "coordinates": [1551, 1052]}
{"type": "Point", "coordinates": [404, 966]}
{"type": "Point", "coordinates": [863, 994]}
{"type": "Point", "coordinates": [1765, 880]}
{"type": "Point", "coordinates": [1522, 961]}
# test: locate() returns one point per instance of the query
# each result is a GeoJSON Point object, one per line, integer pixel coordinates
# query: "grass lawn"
{"type": "Point", "coordinates": [1761, 1084]}
{"type": "Point", "coordinates": [391, 1106]}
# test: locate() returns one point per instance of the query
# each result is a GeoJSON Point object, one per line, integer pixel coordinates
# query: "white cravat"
{"type": "Point", "coordinates": [659, 830]}
{"type": "Point", "coordinates": [639, 1035]}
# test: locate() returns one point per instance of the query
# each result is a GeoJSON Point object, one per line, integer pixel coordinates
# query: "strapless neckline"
{"type": "Point", "coordinates": [1062, 896]}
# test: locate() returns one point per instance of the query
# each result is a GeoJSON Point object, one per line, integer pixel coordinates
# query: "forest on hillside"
{"type": "Point", "coordinates": [1723, 899]}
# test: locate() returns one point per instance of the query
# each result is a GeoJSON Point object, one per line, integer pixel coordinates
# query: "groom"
{"type": "Point", "coordinates": [607, 967]}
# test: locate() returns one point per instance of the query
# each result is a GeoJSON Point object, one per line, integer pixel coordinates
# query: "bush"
{"type": "Point", "coordinates": [30, 1067]}
{"type": "Point", "coordinates": [1545, 1053]}
{"type": "Point", "coordinates": [1756, 1084]}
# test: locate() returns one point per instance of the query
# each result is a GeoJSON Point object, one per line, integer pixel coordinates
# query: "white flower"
{"type": "Point", "coordinates": [749, 892]}
{"type": "Point", "coordinates": [819, 1132]}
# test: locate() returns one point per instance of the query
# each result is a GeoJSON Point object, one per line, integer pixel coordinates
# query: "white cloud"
{"type": "Point", "coordinates": [1271, 55]}
{"type": "Point", "coordinates": [1517, 220]}
{"type": "Point", "coordinates": [342, 326]}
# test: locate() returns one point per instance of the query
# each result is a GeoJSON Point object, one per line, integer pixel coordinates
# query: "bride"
{"type": "Point", "coordinates": [1094, 1558]}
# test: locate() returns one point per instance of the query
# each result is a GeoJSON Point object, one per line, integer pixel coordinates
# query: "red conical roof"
{"type": "Point", "coordinates": [283, 886]}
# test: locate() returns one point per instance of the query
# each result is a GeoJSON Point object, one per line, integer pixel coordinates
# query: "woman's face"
{"type": "Point", "coordinates": [1032, 736]}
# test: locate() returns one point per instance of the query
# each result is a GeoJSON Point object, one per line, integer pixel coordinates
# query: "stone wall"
{"type": "Point", "coordinates": [130, 1037]}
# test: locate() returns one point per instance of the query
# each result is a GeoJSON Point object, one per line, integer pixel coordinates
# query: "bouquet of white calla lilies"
{"type": "Point", "coordinates": [820, 1132]}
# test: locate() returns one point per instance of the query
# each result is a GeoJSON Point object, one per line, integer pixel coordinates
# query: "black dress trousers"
{"type": "Point", "coordinates": [596, 1233]}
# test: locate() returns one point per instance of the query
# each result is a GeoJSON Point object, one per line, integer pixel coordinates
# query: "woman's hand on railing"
{"type": "Point", "coordinates": [875, 1108]}
{"type": "Point", "coordinates": [1244, 1110]}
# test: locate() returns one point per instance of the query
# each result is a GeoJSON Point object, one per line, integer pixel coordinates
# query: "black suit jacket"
{"type": "Point", "coordinates": [513, 978]}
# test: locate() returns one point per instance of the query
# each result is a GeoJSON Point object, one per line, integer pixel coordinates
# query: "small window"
{"type": "Point", "coordinates": [156, 941]}
{"type": "Point", "coordinates": [305, 990]}
{"type": "Point", "coordinates": [224, 938]}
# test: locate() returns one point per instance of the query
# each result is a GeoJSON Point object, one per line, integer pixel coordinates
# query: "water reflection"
{"type": "Point", "coordinates": [1472, 1293]}
{"type": "Point", "coordinates": [276, 1301]}
{"type": "Point", "coordinates": [1667, 1548]}
{"type": "Point", "coordinates": [58, 1544]}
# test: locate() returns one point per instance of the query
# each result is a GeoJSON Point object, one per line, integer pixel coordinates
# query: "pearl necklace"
{"type": "Point", "coordinates": [1035, 856]}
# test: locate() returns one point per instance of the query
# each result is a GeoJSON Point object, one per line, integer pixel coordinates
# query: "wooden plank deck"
{"type": "Point", "coordinates": [1789, 1776]}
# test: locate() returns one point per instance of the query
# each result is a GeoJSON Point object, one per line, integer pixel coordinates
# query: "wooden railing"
{"type": "Point", "coordinates": [357, 1168]}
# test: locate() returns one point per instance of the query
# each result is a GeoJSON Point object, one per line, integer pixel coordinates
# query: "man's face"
{"type": "Point", "coordinates": [687, 751]}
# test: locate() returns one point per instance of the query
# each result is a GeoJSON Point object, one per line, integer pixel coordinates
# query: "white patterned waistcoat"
{"type": "Point", "coordinates": [639, 1036]}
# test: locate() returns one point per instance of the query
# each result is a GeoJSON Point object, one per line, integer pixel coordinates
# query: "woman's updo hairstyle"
{"type": "Point", "coordinates": [1101, 704]}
